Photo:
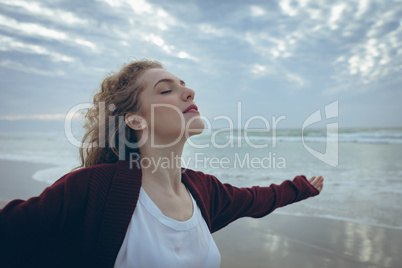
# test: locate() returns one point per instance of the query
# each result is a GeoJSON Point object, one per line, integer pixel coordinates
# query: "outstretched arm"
{"type": "Point", "coordinates": [230, 203]}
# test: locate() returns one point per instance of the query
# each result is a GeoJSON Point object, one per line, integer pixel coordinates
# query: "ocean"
{"type": "Point", "coordinates": [362, 167]}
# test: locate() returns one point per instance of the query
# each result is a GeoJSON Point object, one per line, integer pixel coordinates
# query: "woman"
{"type": "Point", "coordinates": [124, 208]}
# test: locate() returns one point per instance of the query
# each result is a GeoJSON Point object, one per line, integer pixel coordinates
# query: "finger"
{"type": "Point", "coordinates": [311, 179]}
{"type": "Point", "coordinates": [320, 187]}
{"type": "Point", "coordinates": [319, 179]}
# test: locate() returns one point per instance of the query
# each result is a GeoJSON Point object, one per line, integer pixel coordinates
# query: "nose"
{"type": "Point", "coordinates": [188, 94]}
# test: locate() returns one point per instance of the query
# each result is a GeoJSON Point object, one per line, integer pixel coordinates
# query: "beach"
{"type": "Point", "coordinates": [273, 241]}
{"type": "Point", "coordinates": [307, 242]}
{"type": "Point", "coordinates": [16, 180]}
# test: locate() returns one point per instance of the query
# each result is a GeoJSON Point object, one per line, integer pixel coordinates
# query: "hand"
{"type": "Point", "coordinates": [318, 183]}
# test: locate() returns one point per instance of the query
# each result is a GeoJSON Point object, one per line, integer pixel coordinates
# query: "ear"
{"type": "Point", "coordinates": [135, 121]}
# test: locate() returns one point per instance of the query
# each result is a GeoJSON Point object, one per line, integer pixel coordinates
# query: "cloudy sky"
{"type": "Point", "coordinates": [276, 58]}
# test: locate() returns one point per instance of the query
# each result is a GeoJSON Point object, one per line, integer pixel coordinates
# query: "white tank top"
{"type": "Point", "coordinates": [155, 240]}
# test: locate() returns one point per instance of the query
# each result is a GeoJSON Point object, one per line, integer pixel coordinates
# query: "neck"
{"type": "Point", "coordinates": [161, 167]}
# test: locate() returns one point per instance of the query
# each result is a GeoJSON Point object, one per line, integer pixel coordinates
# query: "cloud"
{"type": "Point", "coordinates": [257, 11]}
{"type": "Point", "coordinates": [288, 8]}
{"type": "Point", "coordinates": [320, 47]}
{"type": "Point", "coordinates": [154, 25]}
{"type": "Point", "coordinates": [169, 49]}
{"type": "Point", "coordinates": [212, 31]}
{"type": "Point", "coordinates": [13, 65]}
{"type": "Point", "coordinates": [41, 117]}
{"type": "Point", "coordinates": [359, 37]}
{"type": "Point", "coordinates": [362, 8]}
{"type": "Point", "coordinates": [375, 57]}
{"type": "Point", "coordinates": [258, 69]}
{"type": "Point", "coordinates": [39, 31]}
{"type": "Point", "coordinates": [46, 117]}
{"type": "Point", "coordinates": [296, 79]}
{"type": "Point", "coordinates": [55, 15]}
{"type": "Point", "coordinates": [10, 44]}
{"type": "Point", "coordinates": [336, 15]}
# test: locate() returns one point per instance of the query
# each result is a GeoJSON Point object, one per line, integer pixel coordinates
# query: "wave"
{"type": "Point", "coordinates": [371, 222]}
{"type": "Point", "coordinates": [50, 175]}
{"type": "Point", "coordinates": [380, 136]}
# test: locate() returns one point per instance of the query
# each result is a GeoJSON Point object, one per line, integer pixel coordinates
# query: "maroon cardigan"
{"type": "Point", "coordinates": [81, 220]}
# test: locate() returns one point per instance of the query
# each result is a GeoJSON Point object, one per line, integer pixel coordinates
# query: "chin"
{"type": "Point", "coordinates": [195, 132]}
{"type": "Point", "coordinates": [196, 128]}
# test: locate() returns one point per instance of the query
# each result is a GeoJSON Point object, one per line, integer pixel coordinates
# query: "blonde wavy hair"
{"type": "Point", "coordinates": [118, 95]}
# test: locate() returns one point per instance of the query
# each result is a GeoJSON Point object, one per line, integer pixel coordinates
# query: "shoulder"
{"type": "Point", "coordinates": [83, 185]}
{"type": "Point", "coordinates": [200, 179]}
{"type": "Point", "coordinates": [197, 176]}
{"type": "Point", "coordinates": [96, 169]}
{"type": "Point", "coordinates": [84, 176]}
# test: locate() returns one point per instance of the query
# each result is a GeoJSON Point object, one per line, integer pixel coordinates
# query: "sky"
{"type": "Point", "coordinates": [273, 59]}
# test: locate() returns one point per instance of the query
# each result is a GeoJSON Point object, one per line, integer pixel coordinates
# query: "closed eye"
{"type": "Point", "coordinates": [166, 91]}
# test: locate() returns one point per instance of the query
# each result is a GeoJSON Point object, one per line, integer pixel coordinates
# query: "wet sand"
{"type": "Point", "coordinates": [274, 241]}
{"type": "Point", "coordinates": [16, 180]}
{"type": "Point", "coordinates": [307, 242]}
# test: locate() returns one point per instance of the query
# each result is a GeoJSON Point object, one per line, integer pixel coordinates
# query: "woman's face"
{"type": "Point", "coordinates": [168, 107]}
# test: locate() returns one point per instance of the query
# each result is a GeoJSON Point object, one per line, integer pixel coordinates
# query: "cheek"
{"type": "Point", "coordinates": [166, 115]}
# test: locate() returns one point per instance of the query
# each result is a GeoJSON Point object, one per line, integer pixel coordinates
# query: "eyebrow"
{"type": "Point", "coordinates": [168, 80]}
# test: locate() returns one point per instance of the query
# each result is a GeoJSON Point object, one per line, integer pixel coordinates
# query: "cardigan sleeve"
{"type": "Point", "coordinates": [230, 203]}
{"type": "Point", "coordinates": [42, 229]}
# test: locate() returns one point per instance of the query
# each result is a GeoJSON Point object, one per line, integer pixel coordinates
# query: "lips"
{"type": "Point", "coordinates": [192, 108]}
